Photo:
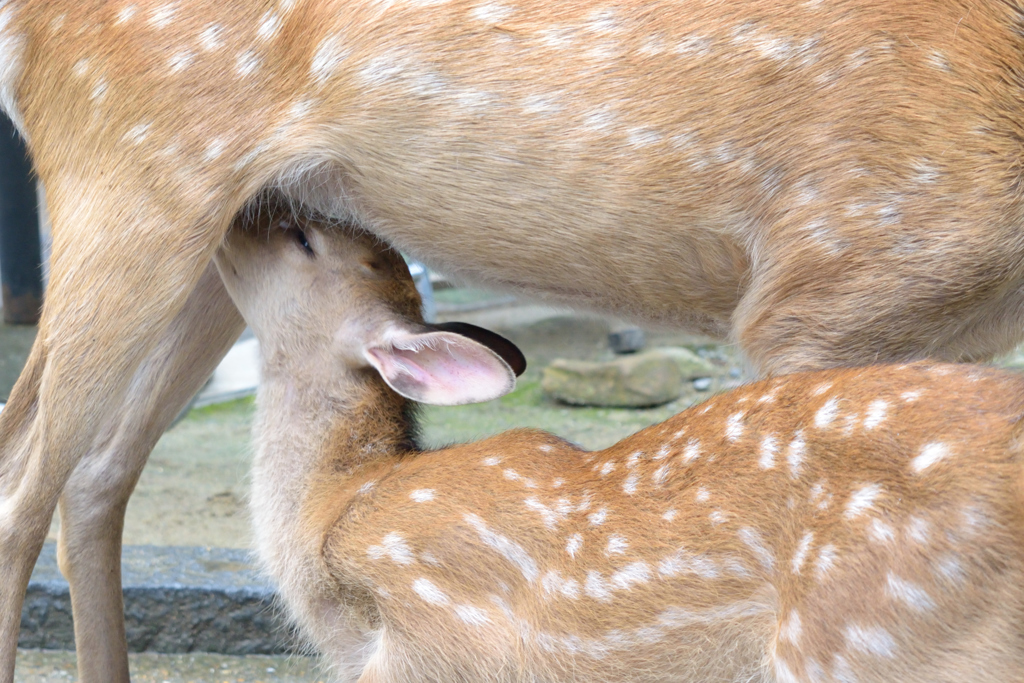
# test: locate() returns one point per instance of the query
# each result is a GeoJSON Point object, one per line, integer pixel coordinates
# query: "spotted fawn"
{"type": "Point", "coordinates": [845, 525]}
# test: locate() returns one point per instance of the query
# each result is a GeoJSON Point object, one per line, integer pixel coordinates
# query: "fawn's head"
{"type": "Point", "coordinates": [324, 297]}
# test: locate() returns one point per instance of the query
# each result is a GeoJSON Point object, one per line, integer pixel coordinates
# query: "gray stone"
{"type": "Point", "coordinates": [702, 383]}
{"type": "Point", "coordinates": [645, 379]}
{"type": "Point", "coordinates": [627, 340]}
{"type": "Point", "coordinates": [176, 599]}
{"type": "Point", "coordinates": [691, 366]}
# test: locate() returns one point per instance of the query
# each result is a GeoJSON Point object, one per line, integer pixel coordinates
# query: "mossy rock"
{"type": "Point", "coordinates": [642, 380]}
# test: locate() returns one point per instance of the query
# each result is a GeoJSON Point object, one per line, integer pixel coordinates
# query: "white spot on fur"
{"type": "Point", "coordinates": [540, 105]}
{"type": "Point", "coordinates": [680, 561]}
{"type": "Point", "coordinates": [643, 137]}
{"type": "Point", "coordinates": [511, 551]}
{"type": "Point", "coordinates": [329, 56]}
{"type": "Point", "coordinates": [269, 26]}
{"type": "Point", "coordinates": [161, 17]}
{"type": "Point", "coordinates": [180, 61]}
{"type": "Point", "coordinates": [870, 640]}
{"type": "Point", "coordinates": [670, 515]}
{"type": "Point", "coordinates": [910, 396]}
{"type": "Point", "coordinates": [876, 414]}
{"type": "Point", "coordinates": [81, 67]}
{"type": "Point", "coordinates": [616, 545]}
{"type": "Point", "coordinates": [880, 532]}
{"type": "Point", "coordinates": [702, 495]}
{"type": "Point", "coordinates": [607, 468]}
{"type": "Point", "coordinates": [791, 629]}
{"type": "Point", "coordinates": [596, 587]}
{"type": "Point", "coordinates": [768, 448]}
{"type": "Point", "coordinates": [842, 672]}
{"type": "Point", "coordinates": [394, 547]}
{"type": "Point", "coordinates": [918, 529]}
{"type": "Point", "coordinates": [554, 584]}
{"type": "Point", "coordinates": [247, 63]}
{"type": "Point", "coordinates": [734, 426]}
{"type": "Point", "coordinates": [819, 497]}
{"type": "Point", "coordinates": [365, 488]}
{"type": "Point", "coordinates": [137, 134]}
{"type": "Point", "coordinates": [910, 594]}
{"type": "Point", "coordinates": [694, 45]}
{"type": "Point", "coordinates": [804, 547]}
{"type": "Point", "coordinates": [490, 13]}
{"type": "Point", "coordinates": [126, 13]}
{"type": "Point", "coordinates": [550, 517]}
{"type": "Point", "coordinates": [930, 454]}
{"type": "Point", "coordinates": [210, 38]}
{"type": "Point", "coordinates": [474, 616]}
{"type": "Point", "coordinates": [599, 120]}
{"type": "Point", "coordinates": [422, 495]}
{"type": "Point", "coordinates": [718, 517]}
{"type": "Point", "coordinates": [783, 674]}
{"type": "Point", "coordinates": [938, 60]}
{"type": "Point", "coordinates": [99, 90]}
{"type": "Point", "coordinates": [661, 474]}
{"type": "Point", "coordinates": [862, 500]}
{"type": "Point", "coordinates": [821, 389]}
{"type": "Point", "coordinates": [573, 545]}
{"type": "Point", "coordinates": [826, 560]}
{"type": "Point", "coordinates": [795, 454]}
{"type": "Point", "coordinates": [692, 450]}
{"type": "Point", "coordinates": [630, 575]}
{"type": "Point", "coordinates": [597, 518]}
{"type": "Point", "coordinates": [815, 671]}
{"type": "Point", "coordinates": [950, 568]}
{"type": "Point", "coordinates": [823, 418]}
{"type": "Point", "coordinates": [752, 538]}
{"type": "Point", "coordinates": [429, 592]}
{"type": "Point", "coordinates": [491, 461]}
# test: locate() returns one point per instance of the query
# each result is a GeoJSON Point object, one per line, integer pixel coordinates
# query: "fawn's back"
{"type": "Point", "coordinates": [856, 525]}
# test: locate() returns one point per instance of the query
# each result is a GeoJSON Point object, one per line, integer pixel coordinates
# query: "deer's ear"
{"type": "Point", "coordinates": [442, 368]}
{"type": "Point", "coordinates": [508, 351]}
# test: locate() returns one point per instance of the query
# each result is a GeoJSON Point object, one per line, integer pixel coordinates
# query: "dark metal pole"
{"type": "Point", "coordinates": [21, 269]}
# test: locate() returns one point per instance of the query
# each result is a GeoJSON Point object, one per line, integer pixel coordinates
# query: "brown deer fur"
{"type": "Point", "coordinates": [825, 183]}
{"type": "Point", "coordinates": [846, 525]}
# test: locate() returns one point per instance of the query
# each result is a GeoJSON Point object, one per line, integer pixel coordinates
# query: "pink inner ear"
{"type": "Point", "coordinates": [442, 369]}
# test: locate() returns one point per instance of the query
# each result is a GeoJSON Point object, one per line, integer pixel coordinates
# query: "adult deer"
{"type": "Point", "coordinates": [845, 525]}
{"type": "Point", "coordinates": [825, 183]}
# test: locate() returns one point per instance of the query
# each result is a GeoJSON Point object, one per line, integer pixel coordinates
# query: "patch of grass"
{"type": "Point", "coordinates": [244, 406]}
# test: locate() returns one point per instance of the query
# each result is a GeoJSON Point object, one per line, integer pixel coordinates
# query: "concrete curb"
{"type": "Point", "coordinates": [176, 599]}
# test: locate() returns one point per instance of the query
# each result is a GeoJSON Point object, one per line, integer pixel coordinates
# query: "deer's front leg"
{"type": "Point", "coordinates": [115, 289]}
{"type": "Point", "coordinates": [93, 504]}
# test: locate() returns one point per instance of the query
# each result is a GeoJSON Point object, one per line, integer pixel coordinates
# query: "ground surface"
{"type": "Point", "coordinates": [35, 666]}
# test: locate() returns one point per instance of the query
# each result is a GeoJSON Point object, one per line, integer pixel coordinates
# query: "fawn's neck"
{"type": "Point", "coordinates": [313, 428]}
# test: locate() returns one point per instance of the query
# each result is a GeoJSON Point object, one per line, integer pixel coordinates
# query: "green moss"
{"type": "Point", "coordinates": [242, 407]}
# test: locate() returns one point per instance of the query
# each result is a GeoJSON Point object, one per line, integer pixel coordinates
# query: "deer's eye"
{"type": "Point", "coordinates": [300, 237]}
